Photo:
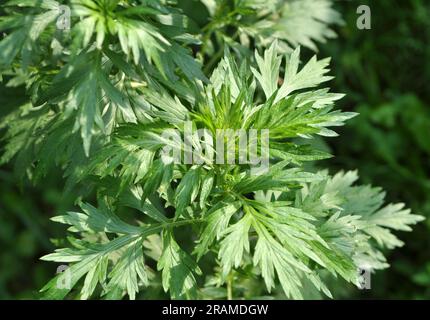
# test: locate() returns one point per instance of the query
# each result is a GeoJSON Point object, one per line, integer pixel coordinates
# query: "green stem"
{"type": "Point", "coordinates": [230, 286]}
{"type": "Point", "coordinates": [214, 59]}
{"type": "Point", "coordinates": [148, 230]}
{"type": "Point", "coordinates": [218, 55]}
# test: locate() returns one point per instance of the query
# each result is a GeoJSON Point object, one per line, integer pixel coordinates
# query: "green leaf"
{"type": "Point", "coordinates": [217, 221]}
{"type": "Point", "coordinates": [96, 220]}
{"type": "Point", "coordinates": [268, 70]}
{"type": "Point", "coordinates": [187, 190]}
{"type": "Point", "coordinates": [178, 269]}
{"type": "Point", "coordinates": [129, 270]}
{"type": "Point", "coordinates": [235, 244]}
{"type": "Point", "coordinates": [85, 260]}
{"type": "Point", "coordinates": [158, 175]}
{"type": "Point", "coordinates": [206, 189]}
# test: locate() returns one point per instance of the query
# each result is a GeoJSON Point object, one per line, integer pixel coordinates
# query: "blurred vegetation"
{"type": "Point", "coordinates": [385, 73]}
{"type": "Point", "coordinates": [25, 228]}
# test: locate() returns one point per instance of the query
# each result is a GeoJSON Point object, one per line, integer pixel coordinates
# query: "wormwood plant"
{"type": "Point", "coordinates": [100, 96]}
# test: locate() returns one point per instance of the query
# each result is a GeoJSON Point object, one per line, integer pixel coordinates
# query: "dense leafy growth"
{"type": "Point", "coordinates": [102, 94]}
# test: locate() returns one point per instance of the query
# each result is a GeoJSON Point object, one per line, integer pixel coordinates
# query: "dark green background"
{"type": "Point", "coordinates": [385, 73]}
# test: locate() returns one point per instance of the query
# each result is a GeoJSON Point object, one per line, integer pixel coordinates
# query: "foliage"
{"type": "Point", "coordinates": [99, 99]}
{"type": "Point", "coordinates": [389, 137]}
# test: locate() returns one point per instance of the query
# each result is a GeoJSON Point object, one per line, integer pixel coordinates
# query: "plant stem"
{"type": "Point", "coordinates": [148, 230]}
{"type": "Point", "coordinates": [214, 59]}
{"type": "Point", "coordinates": [230, 286]}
